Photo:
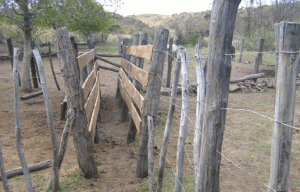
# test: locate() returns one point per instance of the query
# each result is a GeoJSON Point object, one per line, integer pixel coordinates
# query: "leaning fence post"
{"type": "Point", "coordinates": [258, 57]}
{"type": "Point", "coordinates": [289, 44]}
{"type": "Point", "coordinates": [170, 59]}
{"type": "Point", "coordinates": [241, 53]}
{"type": "Point", "coordinates": [183, 121]}
{"type": "Point", "coordinates": [18, 122]}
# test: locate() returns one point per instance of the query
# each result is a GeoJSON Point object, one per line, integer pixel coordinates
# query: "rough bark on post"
{"type": "Point", "coordinates": [150, 152]}
{"type": "Point", "coordinates": [170, 59]}
{"type": "Point", "coordinates": [81, 137]}
{"type": "Point", "coordinates": [289, 44]}
{"type": "Point", "coordinates": [33, 69]}
{"type": "Point", "coordinates": [152, 96]}
{"type": "Point", "coordinates": [49, 118]}
{"type": "Point", "coordinates": [52, 67]}
{"type": "Point", "coordinates": [241, 53]}
{"type": "Point", "coordinates": [183, 120]}
{"type": "Point", "coordinates": [168, 126]}
{"type": "Point", "coordinates": [120, 44]}
{"type": "Point", "coordinates": [276, 29]}
{"type": "Point", "coordinates": [199, 114]}
{"type": "Point", "coordinates": [18, 122]}
{"type": "Point", "coordinates": [11, 55]}
{"type": "Point", "coordinates": [217, 78]}
{"type": "Point", "coordinates": [258, 57]}
{"type": "Point", "coordinates": [2, 168]}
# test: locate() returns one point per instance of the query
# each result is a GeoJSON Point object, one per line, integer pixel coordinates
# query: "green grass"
{"type": "Point", "coordinates": [5, 86]}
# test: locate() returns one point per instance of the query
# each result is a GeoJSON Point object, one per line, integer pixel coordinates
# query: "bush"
{"type": "Point", "coordinates": [269, 36]}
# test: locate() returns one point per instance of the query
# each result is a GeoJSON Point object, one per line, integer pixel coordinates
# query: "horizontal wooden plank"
{"type": "Point", "coordinates": [136, 73]}
{"type": "Point", "coordinates": [89, 105]}
{"type": "Point", "coordinates": [133, 93]}
{"type": "Point", "coordinates": [85, 58]}
{"type": "Point", "coordinates": [134, 114]}
{"type": "Point", "coordinates": [88, 83]}
{"type": "Point", "coordinates": [143, 51]}
{"type": "Point", "coordinates": [93, 122]}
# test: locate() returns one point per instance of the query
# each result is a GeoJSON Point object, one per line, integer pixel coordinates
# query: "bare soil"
{"type": "Point", "coordinates": [247, 139]}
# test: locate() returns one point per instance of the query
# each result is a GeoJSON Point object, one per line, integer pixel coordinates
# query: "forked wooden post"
{"type": "Point", "coordinates": [81, 137]}
{"type": "Point", "coordinates": [258, 57]}
{"type": "Point", "coordinates": [218, 76]}
{"type": "Point", "coordinates": [152, 96]}
{"type": "Point", "coordinates": [288, 47]}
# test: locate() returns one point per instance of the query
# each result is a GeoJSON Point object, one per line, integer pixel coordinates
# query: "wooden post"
{"type": "Point", "coordinates": [18, 122]}
{"type": "Point", "coordinates": [120, 44]}
{"type": "Point", "coordinates": [52, 68]}
{"type": "Point", "coordinates": [289, 44]}
{"type": "Point", "coordinates": [241, 53]}
{"type": "Point", "coordinates": [277, 32]}
{"type": "Point", "coordinates": [170, 59]}
{"type": "Point", "coordinates": [184, 119]}
{"type": "Point", "coordinates": [258, 57]}
{"type": "Point", "coordinates": [2, 169]}
{"type": "Point", "coordinates": [150, 152]}
{"type": "Point", "coordinates": [152, 96]}
{"type": "Point", "coordinates": [11, 56]}
{"type": "Point", "coordinates": [217, 78]}
{"type": "Point", "coordinates": [199, 113]}
{"type": "Point", "coordinates": [33, 69]}
{"type": "Point", "coordinates": [49, 118]}
{"type": "Point", "coordinates": [168, 126]}
{"type": "Point", "coordinates": [81, 137]}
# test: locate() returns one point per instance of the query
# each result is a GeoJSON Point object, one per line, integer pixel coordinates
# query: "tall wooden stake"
{"type": "Point", "coordinates": [152, 96]}
{"type": "Point", "coordinates": [11, 55]}
{"type": "Point", "coordinates": [2, 169]}
{"type": "Point", "coordinates": [289, 44]}
{"type": "Point", "coordinates": [258, 57]}
{"type": "Point", "coordinates": [170, 59]}
{"type": "Point", "coordinates": [150, 152]}
{"type": "Point", "coordinates": [199, 113]}
{"type": "Point", "coordinates": [183, 121]}
{"type": "Point", "coordinates": [218, 76]}
{"type": "Point", "coordinates": [81, 137]}
{"type": "Point", "coordinates": [241, 53]}
{"type": "Point", "coordinates": [52, 67]}
{"type": "Point", "coordinates": [18, 122]}
{"type": "Point", "coordinates": [168, 126]}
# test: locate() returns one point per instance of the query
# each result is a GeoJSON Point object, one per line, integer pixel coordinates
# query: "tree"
{"type": "Point", "coordinates": [21, 12]}
{"type": "Point", "coordinates": [285, 10]}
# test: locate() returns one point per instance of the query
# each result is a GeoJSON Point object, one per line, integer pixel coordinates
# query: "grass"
{"type": "Point", "coordinates": [6, 86]}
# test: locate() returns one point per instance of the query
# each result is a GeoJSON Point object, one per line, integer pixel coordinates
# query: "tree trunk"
{"type": "Point", "coordinates": [218, 76]}
{"type": "Point", "coordinates": [82, 140]}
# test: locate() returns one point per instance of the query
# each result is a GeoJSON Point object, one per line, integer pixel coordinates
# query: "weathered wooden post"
{"type": "Point", "coordinates": [11, 55]}
{"type": "Point", "coordinates": [152, 96]}
{"type": "Point", "coordinates": [49, 118]}
{"type": "Point", "coordinates": [183, 121]}
{"type": "Point", "coordinates": [168, 126]}
{"type": "Point", "coordinates": [276, 29]}
{"type": "Point", "coordinates": [2, 169]}
{"type": "Point", "coordinates": [199, 112]}
{"type": "Point", "coordinates": [258, 57]}
{"type": "Point", "coordinates": [18, 122]}
{"type": "Point", "coordinates": [288, 47]}
{"type": "Point", "coordinates": [52, 67]}
{"type": "Point", "coordinates": [170, 59]}
{"type": "Point", "coordinates": [81, 137]}
{"type": "Point", "coordinates": [120, 44]}
{"type": "Point", "coordinates": [241, 53]}
{"type": "Point", "coordinates": [33, 68]}
{"type": "Point", "coordinates": [217, 78]}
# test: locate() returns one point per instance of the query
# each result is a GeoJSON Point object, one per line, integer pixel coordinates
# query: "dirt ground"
{"type": "Point", "coordinates": [247, 139]}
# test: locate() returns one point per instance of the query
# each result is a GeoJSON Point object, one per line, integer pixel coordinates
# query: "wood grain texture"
{"type": "Point", "coordinates": [142, 51]}
{"type": "Point", "coordinates": [133, 93]}
{"type": "Point", "coordinates": [93, 122]}
{"type": "Point", "coordinates": [89, 105]}
{"type": "Point", "coordinates": [134, 114]}
{"type": "Point", "coordinates": [85, 58]}
{"type": "Point", "coordinates": [88, 83]}
{"type": "Point", "coordinates": [136, 73]}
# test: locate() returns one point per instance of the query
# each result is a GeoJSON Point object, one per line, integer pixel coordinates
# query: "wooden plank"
{"type": "Point", "coordinates": [91, 100]}
{"type": "Point", "coordinates": [134, 114]}
{"type": "Point", "coordinates": [136, 73]}
{"type": "Point", "coordinates": [88, 83]}
{"type": "Point", "coordinates": [133, 93]}
{"type": "Point", "coordinates": [142, 51]}
{"type": "Point", "coordinates": [85, 58]}
{"type": "Point", "coordinates": [93, 122]}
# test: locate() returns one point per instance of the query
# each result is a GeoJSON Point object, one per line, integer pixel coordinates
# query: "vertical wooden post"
{"type": "Point", "coordinates": [258, 57]}
{"type": "Point", "coordinates": [11, 56]}
{"type": "Point", "coordinates": [170, 59]}
{"type": "Point", "coordinates": [152, 96]}
{"type": "Point", "coordinates": [52, 67]}
{"type": "Point", "coordinates": [183, 121]}
{"type": "Point", "coordinates": [120, 44]}
{"type": "Point", "coordinates": [276, 28]}
{"type": "Point", "coordinates": [199, 113]}
{"type": "Point", "coordinates": [81, 137]}
{"type": "Point", "coordinates": [241, 53]}
{"type": "Point", "coordinates": [49, 118]}
{"type": "Point", "coordinates": [217, 78]}
{"type": "Point", "coordinates": [18, 122]}
{"type": "Point", "coordinates": [289, 44]}
{"type": "Point", "coordinates": [33, 69]}
{"type": "Point", "coordinates": [150, 152]}
{"type": "Point", "coordinates": [168, 126]}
